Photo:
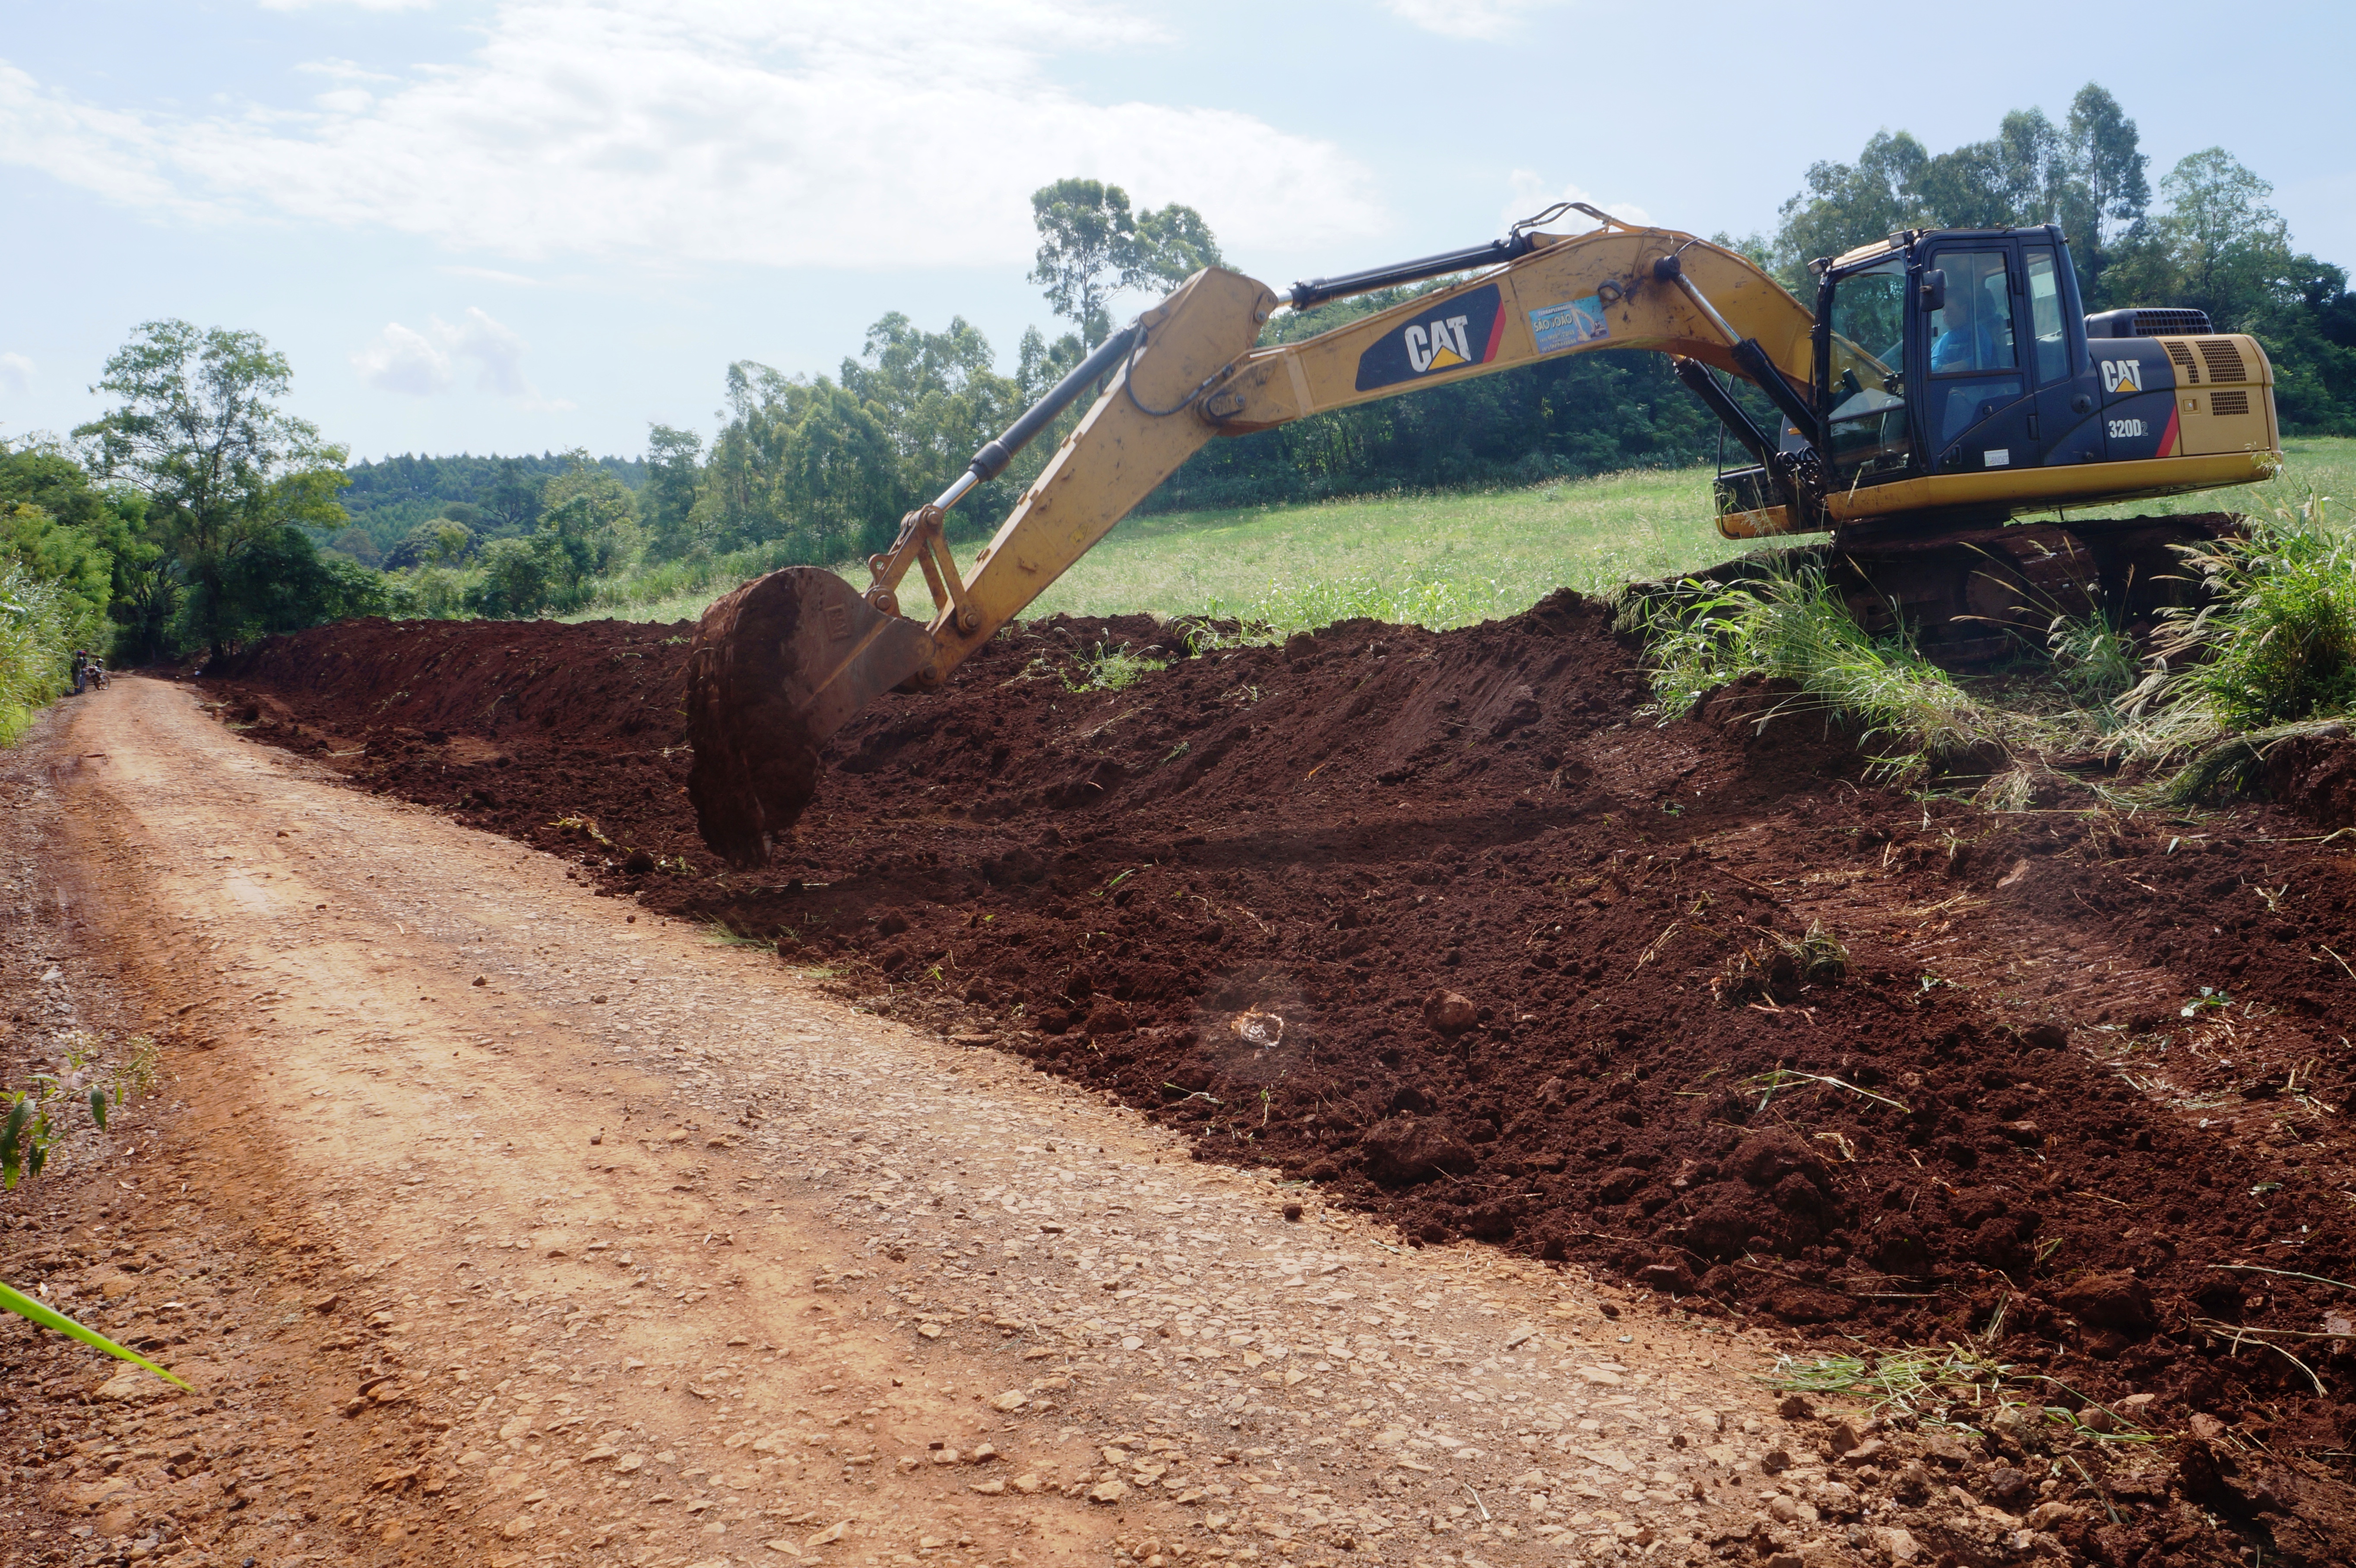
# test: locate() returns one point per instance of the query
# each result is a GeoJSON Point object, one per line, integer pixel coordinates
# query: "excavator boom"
{"type": "Point", "coordinates": [784, 662]}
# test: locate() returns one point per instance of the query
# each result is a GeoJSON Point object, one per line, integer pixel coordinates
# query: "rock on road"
{"type": "Point", "coordinates": [585, 1237]}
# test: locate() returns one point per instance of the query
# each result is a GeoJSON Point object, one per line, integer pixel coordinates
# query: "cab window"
{"type": "Point", "coordinates": [1972, 333]}
{"type": "Point", "coordinates": [1974, 361]}
{"type": "Point", "coordinates": [2045, 316]}
{"type": "Point", "coordinates": [1867, 418]}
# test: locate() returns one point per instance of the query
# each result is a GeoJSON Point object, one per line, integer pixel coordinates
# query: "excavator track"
{"type": "Point", "coordinates": [1976, 596]}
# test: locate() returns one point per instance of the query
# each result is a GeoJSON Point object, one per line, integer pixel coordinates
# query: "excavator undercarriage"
{"type": "Point", "coordinates": [2019, 404]}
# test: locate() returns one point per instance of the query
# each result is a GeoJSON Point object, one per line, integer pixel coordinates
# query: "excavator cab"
{"type": "Point", "coordinates": [1958, 381]}
{"type": "Point", "coordinates": [2001, 375]}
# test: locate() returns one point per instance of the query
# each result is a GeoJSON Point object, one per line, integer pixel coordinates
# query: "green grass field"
{"type": "Point", "coordinates": [1453, 559]}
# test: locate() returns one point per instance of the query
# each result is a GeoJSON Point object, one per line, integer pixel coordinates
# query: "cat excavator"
{"type": "Point", "coordinates": [1946, 381]}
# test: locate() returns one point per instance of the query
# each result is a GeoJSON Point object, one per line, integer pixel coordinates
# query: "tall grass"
{"type": "Point", "coordinates": [2269, 656]}
{"type": "Point", "coordinates": [1792, 624]}
{"type": "Point", "coordinates": [38, 633]}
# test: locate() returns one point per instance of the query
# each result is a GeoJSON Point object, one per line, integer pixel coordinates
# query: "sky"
{"type": "Point", "coordinates": [516, 226]}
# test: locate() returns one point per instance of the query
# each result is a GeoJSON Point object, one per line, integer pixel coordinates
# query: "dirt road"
{"type": "Point", "coordinates": [577, 1236]}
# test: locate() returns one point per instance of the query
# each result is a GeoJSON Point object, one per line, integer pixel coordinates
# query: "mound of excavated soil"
{"type": "Point", "coordinates": [1444, 922]}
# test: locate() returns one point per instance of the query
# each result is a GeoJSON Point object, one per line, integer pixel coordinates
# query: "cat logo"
{"type": "Point", "coordinates": [2122, 375]}
{"type": "Point", "coordinates": [1439, 345]}
{"type": "Point", "coordinates": [1465, 331]}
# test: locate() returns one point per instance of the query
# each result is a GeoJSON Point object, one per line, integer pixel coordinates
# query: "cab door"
{"type": "Point", "coordinates": [1977, 406]}
{"type": "Point", "coordinates": [2066, 424]}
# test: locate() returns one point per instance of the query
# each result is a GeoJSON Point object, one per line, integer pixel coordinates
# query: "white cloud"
{"type": "Point", "coordinates": [1530, 193]}
{"type": "Point", "coordinates": [1466, 19]}
{"type": "Point", "coordinates": [401, 361]}
{"type": "Point", "coordinates": [15, 373]}
{"type": "Point", "coordinates": [422, 364]}
{"type": "Point", "coordinates": [764, 132]}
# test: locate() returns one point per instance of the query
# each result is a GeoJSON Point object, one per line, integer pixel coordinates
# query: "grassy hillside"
{"type": "Point", "coordinates": [1451, 559]}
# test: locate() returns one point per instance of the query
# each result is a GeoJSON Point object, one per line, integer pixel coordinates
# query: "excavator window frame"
{"type": "Point", "coordinates": [1863, 260]}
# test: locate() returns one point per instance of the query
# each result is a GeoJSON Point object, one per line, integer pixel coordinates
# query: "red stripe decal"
{"type": "Point", "coordinates": [1496, 336]}
{"type": "Point", "coordinates": [2168, 436]}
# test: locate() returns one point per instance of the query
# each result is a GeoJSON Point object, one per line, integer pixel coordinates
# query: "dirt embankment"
{"type": "Point", "coordinates": [1444, 922]}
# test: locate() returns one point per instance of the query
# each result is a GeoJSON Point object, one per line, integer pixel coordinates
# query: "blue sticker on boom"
{"type": "Point", "coordinates": [1559, 326]}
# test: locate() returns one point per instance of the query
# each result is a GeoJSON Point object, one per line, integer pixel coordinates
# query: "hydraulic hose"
{"type": "Point", "coordinates": [991, 461]}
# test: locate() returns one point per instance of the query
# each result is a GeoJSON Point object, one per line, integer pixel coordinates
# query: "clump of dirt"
{"type": "Point", "coordinates": [1448, 923]}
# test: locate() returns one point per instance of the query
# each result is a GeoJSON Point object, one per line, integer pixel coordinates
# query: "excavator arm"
{"type": "Point", "coordinates": [1191, 374]}
{"type": "Point", "coordinates": [784, 662]}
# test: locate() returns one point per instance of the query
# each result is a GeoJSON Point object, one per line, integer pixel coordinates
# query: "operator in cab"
{"type": "Point", "coordinates": [1966, 340]}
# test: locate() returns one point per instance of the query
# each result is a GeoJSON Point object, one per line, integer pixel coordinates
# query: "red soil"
{"type": "Point", "coordinates": [1444, 922]}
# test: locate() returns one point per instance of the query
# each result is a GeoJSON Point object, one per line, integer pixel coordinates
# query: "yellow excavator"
{"type": "Point", "coordinates": [1946, 381]}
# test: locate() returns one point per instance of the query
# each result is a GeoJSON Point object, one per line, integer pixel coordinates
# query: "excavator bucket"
{"type": "Point", "coordinates": [778, 667]}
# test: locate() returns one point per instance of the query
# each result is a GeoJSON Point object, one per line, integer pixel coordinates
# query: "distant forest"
{"type": "Point", "coordinates": [823, 467]}
{"type": "Point", "coordinates": [495, 496]}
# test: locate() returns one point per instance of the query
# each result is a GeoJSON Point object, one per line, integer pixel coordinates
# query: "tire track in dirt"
{"type": "Point", "coordinates": [590, 1238]}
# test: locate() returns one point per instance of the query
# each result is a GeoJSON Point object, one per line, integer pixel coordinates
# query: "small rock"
{"type": "Point", "coordinates": [134, 1385]}
{"type": "Point", "coordinates": [2045, 1515]}
{"type": "Point", "coordinates": [1911, 1485]}
{"type": "Point", "coordinates": [1784, 1559]}
{"type": "Point", "coordinates": [944, 1456]}
{"type": "Point", "coordinates": [1449, 1013]}
{"type": "Point", "coordinates": [1794, 1408]}
{"type": "Point", "coordinates": [829, 1536]}
{"type": "Point", "coordinates": [2120, 1302]}
{"type": "Point", "coordinates": [1784, 1510]}
{"type": "Point", "coordinates": [1868, 1451]}
{"type": "Point", "coordinates": [1845, 1437]}
{"type": "Point", "coordinates": [2026, 1133]}
{"type": "Point", "coordinates": [1774, 1462]}
{"type": "Point", "coordinates": [989, 1488]}
{"type": "Point", "coordinates": [479, 980]}
{"type": "Point", "coordinates": [1107, 1492]}
{"type": "Point", "coordinates": [1520, 1334]}
{"type": "Point", "coordinates": [2206, 1427]}
{"type": "Point", "coordinates": [1027, 1483]}
{"type": "Point", "coordinates": [930, 1331]}
{"type": "Point", "coordinates": [982, 1456]}
{"type": "Point", "coordinates": [1292, 1210]}
{"type": "Point", "coordinates": [1898, 1545]}
{"type": "Point", "coordinates": [1010, 1401]}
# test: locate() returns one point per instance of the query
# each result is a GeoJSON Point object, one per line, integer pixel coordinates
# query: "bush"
{"type": "Point", "coordinates": [514, 581]}
{"type": "Point", "coordinates": [38, 635]}
{"type": "Point", "coordinates": [2270, 658]}
{"type": "Point", "coordinates": [279, 582]}
{"type": "Point", "coordinates": [2276, 643]}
